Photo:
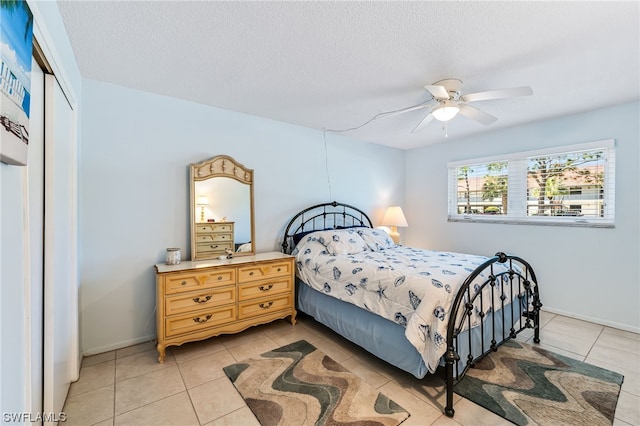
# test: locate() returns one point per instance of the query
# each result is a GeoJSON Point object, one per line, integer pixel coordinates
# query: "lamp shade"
{"type": "Point", "coordinates": [203, 201]}
{"type": "Point", "coordinates": [394, 217]}
{"type": "Point", "coordinates": [445, 111]}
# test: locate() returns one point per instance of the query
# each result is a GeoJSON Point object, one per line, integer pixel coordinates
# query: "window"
{"type": "Point", "coordinates": [575, 190]}
{"type": "Point", "coordinates": [572, 185]}
{"type": "Point", "coordinates": [482, 188]}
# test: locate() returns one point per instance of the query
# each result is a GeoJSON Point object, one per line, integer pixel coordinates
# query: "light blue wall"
{"type": "Point", "coordinates": [134, 200]}
{"type": "Point", "coordinates": [134, 193]}
{"type": "Point", "coordinates": [587, 273]}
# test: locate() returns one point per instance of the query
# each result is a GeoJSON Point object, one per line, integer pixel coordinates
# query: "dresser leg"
{"type": "Point", "coordinates": [293, 317]}
{"type": "Point", "coordinates": [161, 353]}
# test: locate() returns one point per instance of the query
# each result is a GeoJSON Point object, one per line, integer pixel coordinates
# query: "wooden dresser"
{"type": "Point", "coordinates": [198, 300]}
{"type": "Point", "coordinates": [212, 239]}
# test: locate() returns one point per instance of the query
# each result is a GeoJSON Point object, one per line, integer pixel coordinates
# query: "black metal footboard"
{"type": "Point", "coordinates": [501, 298]}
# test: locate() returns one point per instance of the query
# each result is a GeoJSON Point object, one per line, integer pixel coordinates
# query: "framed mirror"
{"type": "Point", "coordinates": [221, 204]}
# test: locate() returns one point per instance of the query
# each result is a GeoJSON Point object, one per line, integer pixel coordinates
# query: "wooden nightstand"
{"type": "Point", "coordinates": [202, 299]}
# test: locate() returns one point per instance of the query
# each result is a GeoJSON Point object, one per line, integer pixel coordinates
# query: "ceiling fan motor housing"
{"type": "Point", "coordinates": [452, 85]}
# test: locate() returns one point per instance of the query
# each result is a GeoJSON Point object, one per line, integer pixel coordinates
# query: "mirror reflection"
{"type": "Point", "coordinates": [221, 208]}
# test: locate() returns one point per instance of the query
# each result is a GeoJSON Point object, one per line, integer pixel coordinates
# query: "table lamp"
{"type": "Point", "coordinates": [202, 202]}
{"type": "Point", "coordinates": [393, 218]}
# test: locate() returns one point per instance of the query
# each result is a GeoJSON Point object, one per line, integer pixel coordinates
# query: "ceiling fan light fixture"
{"type": "Point", "coordinates": [445, 111]}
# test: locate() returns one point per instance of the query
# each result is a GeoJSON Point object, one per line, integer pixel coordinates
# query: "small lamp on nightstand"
{"type": "Point", "coordinates": [202, 202]}
{"type": "Point", "coordinates": [394, 217]}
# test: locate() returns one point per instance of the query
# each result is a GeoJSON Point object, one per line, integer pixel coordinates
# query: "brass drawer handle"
{"type": "Point", "coordinates": [251, 273]}
{"type": "Point", "coordinates": [183, 283]}
{"type": "Point", "coordinates": [266, 306]}
{"type": "Point", "coordinates": [267, 288]}
{"type": "Point", "coordinates": [278, 269]}
{"type": "Point", "coordinates": [219, 277]}
{"type": "Point", "coordinates": [216, 246]}
{"type": "Point", "coordinates": [206, 299]}
{"type": "Point", "coordinates": [201, 321]}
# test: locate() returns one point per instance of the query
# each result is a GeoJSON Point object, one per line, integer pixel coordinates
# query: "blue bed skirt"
{"type": "Point", "coordinates": [385, 339]}
{"type": "Point", "coordinates": [381, 337]}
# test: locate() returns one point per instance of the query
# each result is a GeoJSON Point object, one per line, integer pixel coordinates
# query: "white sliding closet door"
{"type": "Point", "coordinates": [61, 348]}
{"type": "Point", "coordinates": [34, 297]}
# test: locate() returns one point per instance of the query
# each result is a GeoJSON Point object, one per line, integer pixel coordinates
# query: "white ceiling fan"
{"type": "Point", "coordinates": [449, 102]}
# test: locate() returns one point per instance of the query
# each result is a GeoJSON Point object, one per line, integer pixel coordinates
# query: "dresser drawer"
{"type": "Point", "coordinates": [213, 227]}
{"type": "Point", "coordinates": [264, 289]}
{"type": "Point", "coordinates": [264, 271]}
{"type": "Point", "coordinates": [199, 321]}
{"type": "Point", "coordinates": [214, 247]}
{"type": "Point", "coordinates": [192, 281]}
{"type": "Point", "coordinates": [214, 238]}
{"type": "Point", "coordinates": [264, 306]}
{"type": "Point", "coordinates": [199, 300]}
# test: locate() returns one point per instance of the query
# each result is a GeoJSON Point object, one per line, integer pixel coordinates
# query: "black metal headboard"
{"type": "Point", "coordinates": [323, 216]}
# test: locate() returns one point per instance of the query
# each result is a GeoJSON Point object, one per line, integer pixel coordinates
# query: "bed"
{"type": "Point", "coordinates": [419, 310]}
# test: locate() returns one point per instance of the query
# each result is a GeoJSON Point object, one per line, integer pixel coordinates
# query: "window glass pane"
{"type": "Point", "coordinates": [482, 189]}
{"type": "Point", "coordinates": [570, 184]}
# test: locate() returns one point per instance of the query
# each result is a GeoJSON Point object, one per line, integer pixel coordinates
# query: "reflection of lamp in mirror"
{"type": "Point", "coordinates": [202, 202]}
{"type": "Point", "coordinates": [394, 217]}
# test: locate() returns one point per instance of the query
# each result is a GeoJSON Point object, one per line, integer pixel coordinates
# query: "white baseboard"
{"type": "Point", "coordinates": [599, 321]}
{"type": "Point", "coordinates": [118, 345]}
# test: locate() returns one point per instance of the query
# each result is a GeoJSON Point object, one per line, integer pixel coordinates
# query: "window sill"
{"type": "Point", "coordinates": [574, 223]}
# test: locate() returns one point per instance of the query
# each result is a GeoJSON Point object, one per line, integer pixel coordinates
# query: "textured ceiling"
{"type": "Point", "coordinates": [335, 65]}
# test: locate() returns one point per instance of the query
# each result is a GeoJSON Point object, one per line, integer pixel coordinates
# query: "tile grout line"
{"type": "Point", "coordinates": [594, 343]}
{"type": "Point", "coordinates": [193, 407]}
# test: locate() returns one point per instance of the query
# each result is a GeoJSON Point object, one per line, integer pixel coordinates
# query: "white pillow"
{"type": "Point", "coordinates": [244, 247]}
{"type": "Point", "coordinates": [307, 245]}
{"type": "Point", "coordinates": [376, 239]}
{"type": "Point", "coordinates": [341, 241]}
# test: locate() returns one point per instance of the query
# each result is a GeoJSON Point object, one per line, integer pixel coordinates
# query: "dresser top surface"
{"type": "Point", "coordinates": [199, 264]}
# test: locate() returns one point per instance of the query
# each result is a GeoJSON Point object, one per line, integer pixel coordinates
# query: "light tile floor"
{"type": "Point", "coordinates": [130, 387]}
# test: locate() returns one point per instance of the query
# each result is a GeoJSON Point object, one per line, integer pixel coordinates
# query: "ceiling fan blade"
{"type": "Point", "coordinates": [423, 123]}
{"type": "Point", "coordinates": [497, 94]}
{"type": "Point", "coordinates": [403, 110]}
{"type": "Point", "coordinates": [476, 114]}
{"type": "Point", "coordinates": [438, 92]}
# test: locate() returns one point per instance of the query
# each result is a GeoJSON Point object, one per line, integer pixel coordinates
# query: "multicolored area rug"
{"type": "Point", "coordinates": [299, 385]}
{"type": "Point", "coordinates": [528, 385]}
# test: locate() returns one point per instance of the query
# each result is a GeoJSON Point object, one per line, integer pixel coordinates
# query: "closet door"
{"type": "Point", "coordinates": [61, 349]}
{"type": "Point", "coordinates": [35, 290]}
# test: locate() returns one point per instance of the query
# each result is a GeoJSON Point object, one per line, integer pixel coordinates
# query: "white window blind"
{"type": "Point", "coordinates": [571, 185]}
